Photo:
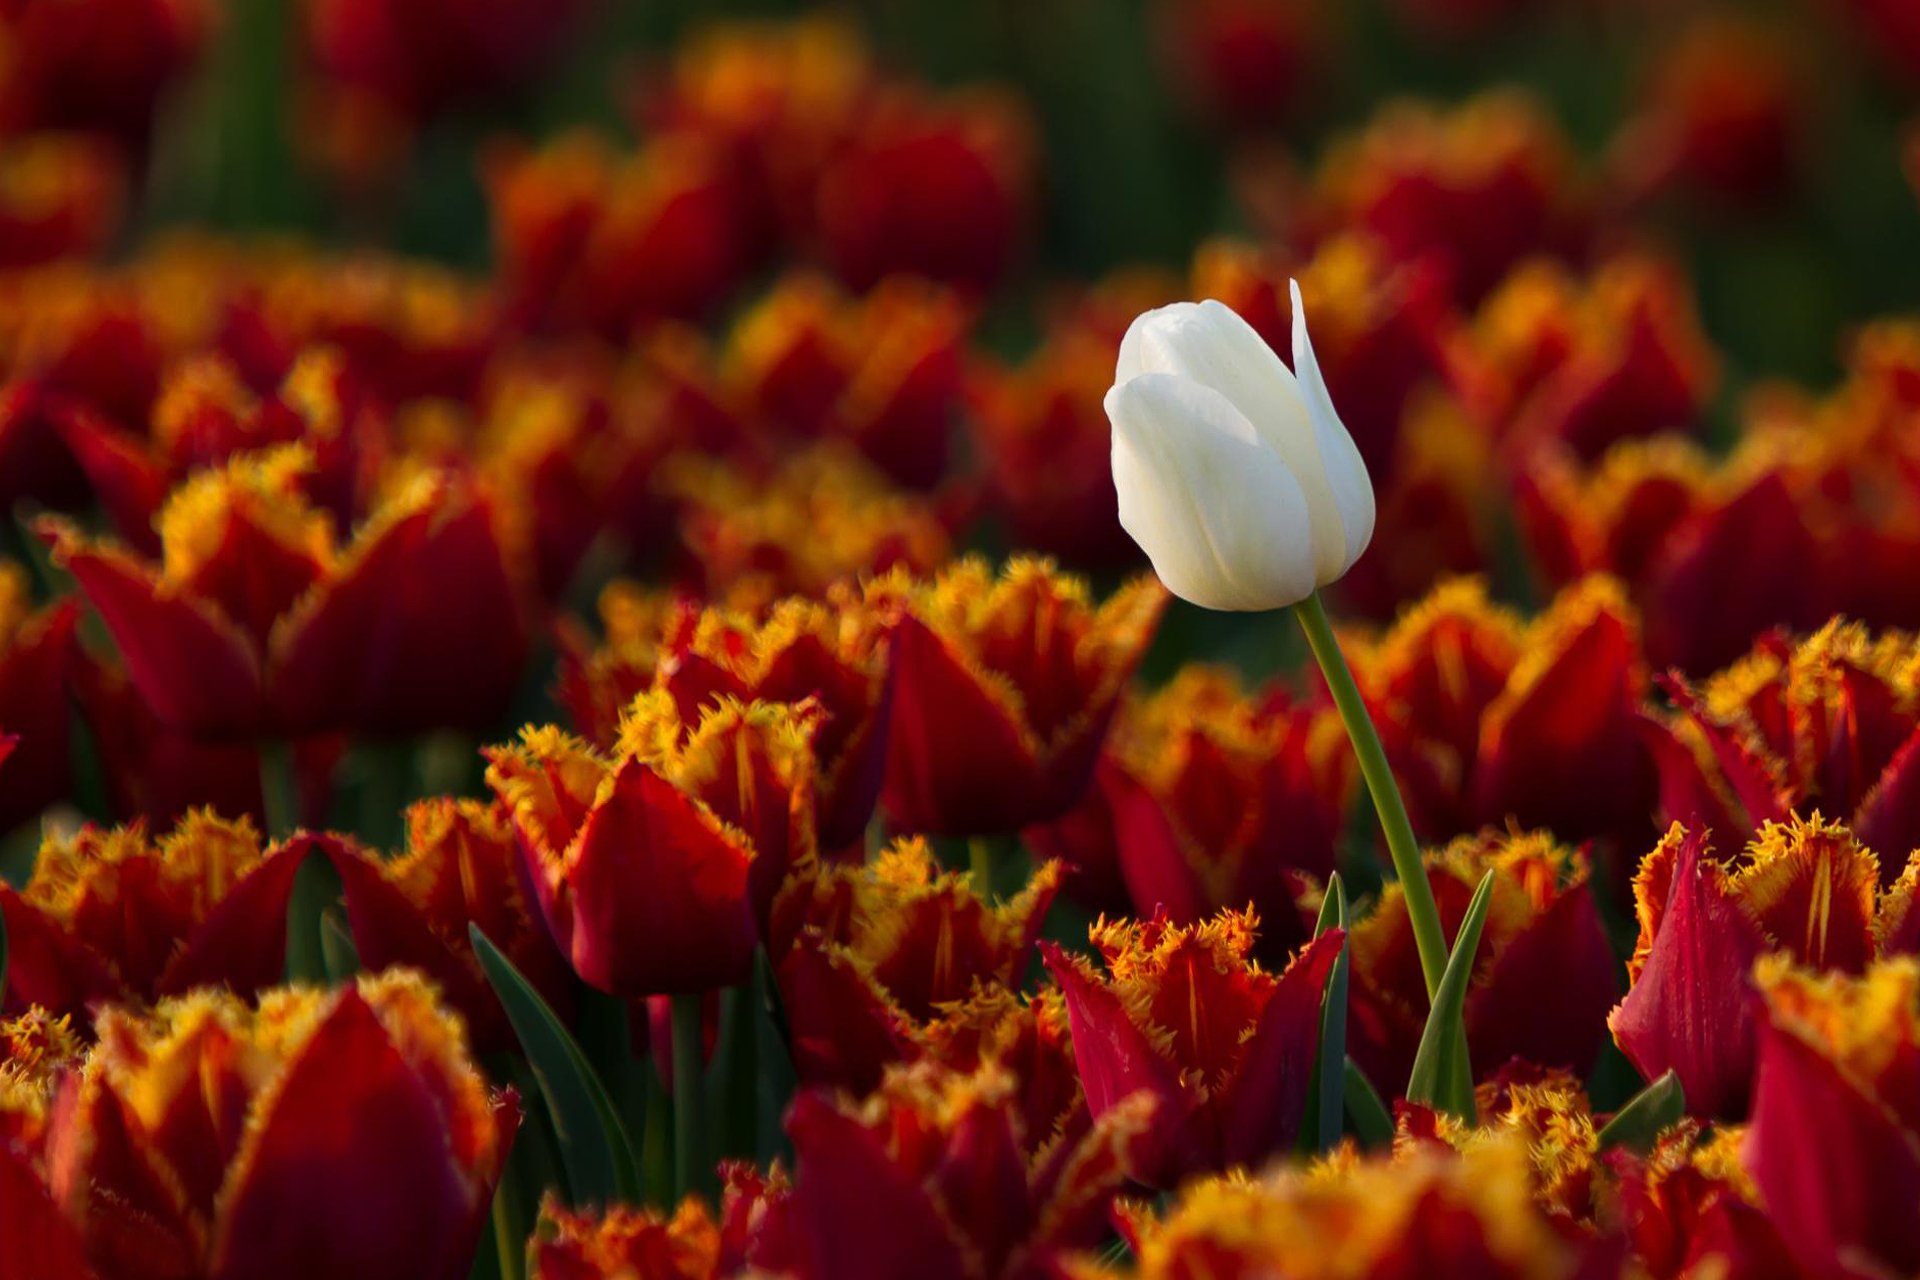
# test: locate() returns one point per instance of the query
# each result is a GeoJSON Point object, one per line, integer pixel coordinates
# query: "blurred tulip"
{"type": "Point", "coordinates": [37, 1054]}
{"type": "Point", "coordinates": [1224, 1049]}
{"type": "Point", "coordinates": [1587, 363]}
{"type": "Point", "coordinates": [1807, 888]}
{"type": "Point", "coordinates": [460, 869]}
{"type": "Point", "coordinates": [326, 1134]}
{"type": "Point", "coordinates": [107, 915]}
{"type": "Point", "coordinates": [1004, 687]}
{"type": "Point", "coordinates": [1245, 64]}
{"type": "Point", "coordinates": [1543, 978]}
{"type": "Point", "coordinates": [1834, 1146]}
{"type": "Point", "coordinates": [820, 519]}
{"type": "Point", "coordinates": [940, 188]}
{"type": "Point", "coordinates": [1487, 719]}
{"type": "Point", "coordinates": [1042, 433]}
{"type": "Point", "coordinates": [880, 372]}
{"type": "Point", "coordinates": [935, 1175]}
{"type": "Point", "coordinates": [40, 665]}
{"type": "Point", "coordinates": [62, 197]}
{"type": "Point", "coordinates": [255, 625]}
{"type": "Point", "coordinates": [99, 66]}
{"type": "Point", "coordinates": [656, 867]}
{"type": "Point", "coordinates": [1238, 481]}
{"type": "Point", "coordinates": [1473, 191]}
{"type": "Point", "coordinates": [868, 952]}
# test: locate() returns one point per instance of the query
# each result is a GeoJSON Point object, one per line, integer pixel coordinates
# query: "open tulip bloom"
{"type": "Point", "coordinates": [1237, 478]}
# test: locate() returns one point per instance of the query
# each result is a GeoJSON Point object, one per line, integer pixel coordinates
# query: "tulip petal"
{"type": "Point", "coordinates": [1209, 344]}
{"type": "Point", "coordinates": [1340, 459]}
{"type": "Point", "coordinates": [1222, 518]}
{"type": "Point", "coordinates": [1266, 1102]}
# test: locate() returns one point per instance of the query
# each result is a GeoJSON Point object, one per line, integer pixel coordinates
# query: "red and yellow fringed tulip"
{"type": "Point", "coordinates": [935, 1175]}
{"type": "Point", "coordinates": [877, 950]}
{"type": "Point", "coordinates": [657, 865]}
{"type": "Point", "coordinates": [1489, 719]}
{"type": "Point", "coordinates": [1543, 977]}
{"type": "Point", "coordinates": [1832, 721]}
{"type": "Point", "coordinates": [323, 1134]}
{"type": "Point", "coordinates": [1475, 191]}
{"type": "Point", "coordinates": [111, 916]}
{"type": "Point", "coordinates": [39, 661]}
{"type": "Point", "coordinates": [1004, 687]}
{"type": "Point", "coordinates": [1807, 888]}
{"type": "Point", "coordinates": [1423, 1211]}
{"type": "Point", "coordinates": [37, 1053]}
{"type": "Point", "coordinates": [881, 373]}
{"type": "Point", "coordinates": [1209, 799]}
{"type": "Point", "coordinates": [256, 624]}
{"type": "Point", "coordinates": [1834, 1146]}
{"type": "Point", "coordinates": [1688, 1208]}
{"type": "Point", "coordinates": [1223, 1048]}
{"type": "Point", "coordinates": [833, 651]}
{"type": "Point", "coordinates": [751, 1234]}
{"type": "Point", "coordinates": [821, 518]}
{"type": "Point", "coordinates": [460, 868]}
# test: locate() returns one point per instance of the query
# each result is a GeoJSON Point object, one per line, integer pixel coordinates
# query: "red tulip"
{"type": "Point", "coordinates": [1003, 691]}
{"type": "Point", "coordinates": [935, 1175]}
{"type": "Point", "coordinates": [1828, 722]}
{"type": "Point", "coordinates": [327, 1134]}
{"type": "Point", "coordinates": [1487, 719]}
{"type": "Point", "coordinates": [834, 652]}
{"type": "Point", "coordinates": [1224, 1049]}
{"type": "Point", "coordinates": [1543, 978]}
{"type": "Point", "coordinates": [1206, 800]}
{"type": "Point", "coordinates": [1475, 191]}
{"type": "Point", "coordinates": [1808, 888]}
{"type": "Point", "coordinates": [1687, 1207]}
{"type": "Point", "coordinates": [1834, 1146]}
{"type": "Point", "coordinates": [752, 1229]}
{"type": "Point", "coordinates": [98, 67]}
{"type": "Point", "coordinates": [881, 372]}
{"type": "Point", "coordinates": [37, 1055]}
{"type": "Point", "coordinates": [657, 868]}
{"type": "Point", "coordinates": [1424, 1210]}
{"type": "Point", "coordinates": [255, 625]}
{"type": "Point", "coordinates": [39, 663]}
{"type": "Point", "coordinates": [879, 949]}
{"type": "Point", "coordinates": [460, 868]}
{"type": "Point", "coordinates": [109, 916]}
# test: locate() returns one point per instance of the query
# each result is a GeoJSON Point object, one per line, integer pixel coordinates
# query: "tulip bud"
{"type": "Point", "coordinates": [1236, 477]}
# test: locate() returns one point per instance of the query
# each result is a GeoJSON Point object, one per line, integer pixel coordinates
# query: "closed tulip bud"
{"type": "Point", "coordinates": [1234, 475]}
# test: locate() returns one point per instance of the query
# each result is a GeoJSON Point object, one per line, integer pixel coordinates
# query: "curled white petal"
{"type": "Point", "coordinates": [1220, 515]}
{"type": "Point", "coordinates": [1345, 470]}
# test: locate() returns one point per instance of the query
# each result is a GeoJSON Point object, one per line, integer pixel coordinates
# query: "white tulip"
{"type": "Point", "coordinates": [1236, 477]}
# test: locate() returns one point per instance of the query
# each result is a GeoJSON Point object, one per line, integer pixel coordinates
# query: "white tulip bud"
{"type": "Point", "coordinates": [1236, 477]}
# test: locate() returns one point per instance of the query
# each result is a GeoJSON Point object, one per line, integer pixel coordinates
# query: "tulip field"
{"type": "Point", "coordinates": [935, 640]}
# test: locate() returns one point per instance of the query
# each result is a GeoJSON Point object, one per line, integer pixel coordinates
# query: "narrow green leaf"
{"type": "Point", "coordinates": [593, 1144]}
{"type": "Point", "coordinates": [1372, 1122]}
{"type": "Point", "coordinates": [341, 957]}
{"type": "Point", "coordinates": [1659, 1106]}
{"type": "Point", "coordinates": [1440, 1077]}
{"type": "Point", "coordinates": [1322, 1128]}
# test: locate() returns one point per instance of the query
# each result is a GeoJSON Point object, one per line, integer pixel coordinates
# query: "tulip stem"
{"type": "Point", "coordinates": [279, 789]}
{"type": "Point", "coordinates": [692, 1164]}
{"type": "Point", "coordinates": [1422, 914]}
{"type": "Point", "coordinates": [980, 866]}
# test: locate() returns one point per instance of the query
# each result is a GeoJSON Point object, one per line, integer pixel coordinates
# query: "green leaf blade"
{"type": "Point", "coordinates": [594, 1149]}
{"type": "Point", "coordinates": [1646, 1115]}
{"type": "Point", "coordinates": [1441, 1077]}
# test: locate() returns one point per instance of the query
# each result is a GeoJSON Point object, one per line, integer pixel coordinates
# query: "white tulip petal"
{"type": "Point", "coordinates": [1221, 516]}
{"type": "Point", "coordinates": [1345, 470]}
{"type": "Point", "coordinates": [1209, 343]}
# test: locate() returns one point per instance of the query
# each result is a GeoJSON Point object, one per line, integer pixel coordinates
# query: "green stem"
{"type": "Point", "coordinates": [692, 1163]}
{"type": "Point", "coordinates": [279, 789]}
{"type": "Point", "coordinates": [980, 864]}
{"type": "Point", "coordinates": [1422, 914]}
{"type": "Point", "coordinates": [509, 1231]}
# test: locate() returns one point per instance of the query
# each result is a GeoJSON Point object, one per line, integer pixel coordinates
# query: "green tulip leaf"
{"type": "Point", "coordinates": [1654, 1109]}
{"type": "Point", "coordinates": [1323, 1123]}
{"type": "Point", "coordinates": [593, 1143]}
{"type": "Point", "coordinates": [1441, 1077]}
{"type": "Point", "coordinates": [1372, 1122]}
{"type": "Point", "coordinates": [337, 952]}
